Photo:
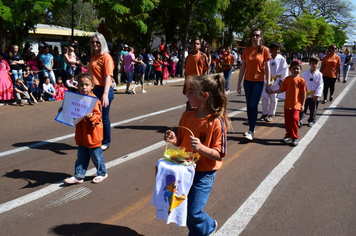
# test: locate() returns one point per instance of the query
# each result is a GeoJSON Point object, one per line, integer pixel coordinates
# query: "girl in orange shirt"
{"type": "Point", "coordinates": [208, 123]}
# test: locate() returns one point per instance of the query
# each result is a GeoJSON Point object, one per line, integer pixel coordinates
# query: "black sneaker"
{"type": "Point", "coordinates": [128, 91]}
{"type": "Point", "coordinates": [263, 117]}
{"type": "Point", "coordinates": [295, 142]}
{"type": "Point", "coordinates": [286, 139]}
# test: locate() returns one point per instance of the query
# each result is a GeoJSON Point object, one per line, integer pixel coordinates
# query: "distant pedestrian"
{"type": "Point", "coordinates": [228, 61]}
{"type": "Point", "coordinates": [196, 63]}
{"type": "Point", "coordinates": [347, 64]}
{"type": "Point", "coordinates": [129, 62]}
{"type": "Point", "coordinates": [331, 69]}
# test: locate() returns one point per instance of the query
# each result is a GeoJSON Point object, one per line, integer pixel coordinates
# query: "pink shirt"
{"type": "Point", "coordinates": [129, 64]}
{"type": "Point", "coordinates": [33, 65]}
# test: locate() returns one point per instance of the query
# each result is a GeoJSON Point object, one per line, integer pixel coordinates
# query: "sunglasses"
{"type": "Point", "coordinates": [333, 48]}
{"type": "Point", "coordinates": [95, 42]}
{"type": "Point", "coordinates": [255, 35]}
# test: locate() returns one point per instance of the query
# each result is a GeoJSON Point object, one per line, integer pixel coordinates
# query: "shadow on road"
{"type": "Point", "coordinates": [57, 148]}
{"type": "Point", "coordinates": [158, 129]}
{"type": "Point", "coordinates": [36, 178]}
{"type": "Point", "coordinates": [93, 229]}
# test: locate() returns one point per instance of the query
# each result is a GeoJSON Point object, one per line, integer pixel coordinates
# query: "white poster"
{"type": "Point", "coordinates": [74, 107]}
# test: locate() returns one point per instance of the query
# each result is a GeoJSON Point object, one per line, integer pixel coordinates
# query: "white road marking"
{"type": "Point", "coordinates": [241, 218]}
{"type": "Point", "coordinates": [56, 186]}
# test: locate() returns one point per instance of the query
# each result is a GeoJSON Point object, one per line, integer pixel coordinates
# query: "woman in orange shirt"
{"type": "Point", "coordinates": [331, 69]}
{"type": "Point", "coordinates": [101, 67]}
{"type": "Point", "coordinates": [255, 69]}
{"type": "Point", "coordinates": [227, 61]}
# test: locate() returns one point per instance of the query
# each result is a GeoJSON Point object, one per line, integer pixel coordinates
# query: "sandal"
{"type": "Point", "coordinates": [99, 178]}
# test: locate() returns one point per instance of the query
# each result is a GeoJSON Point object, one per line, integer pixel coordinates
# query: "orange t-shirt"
{"type": "Point", "coordinates": [294, 88]}
{"type": "Point", "coordinates": [228, 60]}
{"type": "Point", "coordinates": [99, 67]}
{"type": "Point", "coordinates": [331, 63]}
{"type": "Point", "coordinates": [255, 63]}
{"type": "Point", "coordinates": [212, 135]}
{"type": "Point", "coordinates": [89, 132]}
{"type": "Point", "coordinates": [196, 64]}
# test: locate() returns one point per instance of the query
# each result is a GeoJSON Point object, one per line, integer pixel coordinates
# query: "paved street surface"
{"type": "Point", "coordinates": [264, 188]}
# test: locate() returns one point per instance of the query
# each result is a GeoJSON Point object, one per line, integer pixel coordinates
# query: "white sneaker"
{"type": "Point", "coordinates": [144, 91]}
{"type": "Point", "coordinates": [249, 135]}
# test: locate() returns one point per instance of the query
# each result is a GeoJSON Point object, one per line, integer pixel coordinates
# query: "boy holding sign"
{"type": "Point", "coordinates": [88, 136]}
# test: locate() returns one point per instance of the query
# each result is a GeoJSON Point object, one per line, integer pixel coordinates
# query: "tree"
{"type": "Point", "coordinates": [20, 16]}
{"type": "Point", "coordinates": [239, 16]}
{"type": "Point", "coordinates": [85, 15]}
{"type": "Point", "coordinates": [123, 18]}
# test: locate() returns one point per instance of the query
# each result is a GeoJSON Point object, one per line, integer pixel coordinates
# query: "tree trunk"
{"type": "Point", "coordinates": [188, 7]}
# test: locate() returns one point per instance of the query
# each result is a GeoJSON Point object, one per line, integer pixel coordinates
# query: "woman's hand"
{"type": "Point", "coordinates": [239, 88]}
{"type": "Point", "coordinates": [105, 100]}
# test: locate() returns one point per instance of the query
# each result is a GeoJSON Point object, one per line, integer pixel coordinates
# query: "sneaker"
{"type": "Point", "coordinates": [133, 91]}
{"type": "Point", "coordinates": [128, 91]}
{"type": "Point", "coordinates": [300, 125]}
{"type": "Point", "coordinates": [331, 98]}
{"type": "Point", "coordinates": [344, 81]}
{"type": "Point", "coordinates": [295, 142]}
{"type": "Point", "coordinates": [263, 117]}
{"type": "Point", "coordinates": [30, 102]}
{"type": "Point", "coordinates": [269, 118]}
{"type": "Point", "coordinates": [249, 135]}
{"type": "Point", "coordinates": [99, 178]}
{"type": "Point", "coordinates": [144, 91]}
{"type": "Point", "coordinates": [286, 139]}
{"type": "Point", "coordinates": [311, 124]}
{"type": "Point", "coordinates": [104, 147]}
{"type": "Point", "coordinates": [73, 180]}
{"type": "Point", "coordinates": [323, 102]}
{"type": "Point", "coordinates": [227, 92]}
{"type": "Point", "coordinates": [216, 228]}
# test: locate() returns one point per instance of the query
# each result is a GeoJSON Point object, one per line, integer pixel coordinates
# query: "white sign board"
{"type": "Point", "coordinates": [74, 107]}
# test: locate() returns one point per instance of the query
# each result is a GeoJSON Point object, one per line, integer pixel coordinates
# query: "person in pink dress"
{"type": "Point", "coordinates": [6, 87]}
{"type": "Point", "coordinates": [165, 68]}
{"type": "Point", "coordinates": [60, 89]}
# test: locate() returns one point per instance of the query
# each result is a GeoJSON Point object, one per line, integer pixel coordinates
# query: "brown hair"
{"type": "Point", "coordinates": [217, 101]}
{"type": "Point", "coordinates": [86, 76]}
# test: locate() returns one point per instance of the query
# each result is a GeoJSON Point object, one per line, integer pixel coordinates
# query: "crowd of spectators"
{"type": "Point", "coordinates": [41, 77]}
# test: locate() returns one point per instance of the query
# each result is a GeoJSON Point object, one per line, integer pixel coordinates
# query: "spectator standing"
{"type": "Point", "coordinates": [158, 69]}
{"type": "Point", "coordinates": [61, 64]}
{"type": "Point", "coordinates": [28, 76]}
{"type": "Point", "coordinates": [150, 69]}
{"type": "Point", "coordinates": [33, 63]}
{"type": "Point", "coordinates": [101, 67]}
{"type": "Point", "coordinates": [16, 63]}
{"type": "Point", "coordinates": [6, 86]}
{"type": "Point", "coordinates": [47, 62]}
{"type": "Point", "coordinates": [255, 69]}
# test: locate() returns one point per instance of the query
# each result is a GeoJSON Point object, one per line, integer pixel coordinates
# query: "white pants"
{"type": "Point", "coordinates": [273, 102]}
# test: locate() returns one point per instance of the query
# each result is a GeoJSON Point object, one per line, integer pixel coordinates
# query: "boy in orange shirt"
{"type": "Point", "coordinates": [295, 89]}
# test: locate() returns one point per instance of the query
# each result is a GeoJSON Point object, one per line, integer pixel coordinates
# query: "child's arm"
{"type": "Point", "coordinates": [171, 137]}
{"type": "Point", "coordinates": [33, 98]}
{"type": "Point", "coordinates": [95, 116]}
{"type": "Point", "coordinates": [269, 90]}
{"type": "Point", "coordinates": [210, 153]}
{"type": "Point", "coordinates": [304, 98]}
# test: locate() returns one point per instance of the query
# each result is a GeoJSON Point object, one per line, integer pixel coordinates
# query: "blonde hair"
{"type": "Point", "coordinates": [101, 39]}
{"type": "Point", "coordinates": [217, 100]}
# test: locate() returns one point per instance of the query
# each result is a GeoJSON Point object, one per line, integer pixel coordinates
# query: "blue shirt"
{"type": "Point", "coordinates": [46, 59]}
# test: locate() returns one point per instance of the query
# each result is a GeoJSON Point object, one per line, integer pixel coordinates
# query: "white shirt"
{"type": "Point", "coordinates": [314, 82]}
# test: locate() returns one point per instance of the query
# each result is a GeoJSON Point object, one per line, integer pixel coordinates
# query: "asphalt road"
{"type": "Point", "coordinates": [264, 187]}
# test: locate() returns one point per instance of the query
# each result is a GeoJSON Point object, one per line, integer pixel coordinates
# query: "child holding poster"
{"type": "Point", "coordinates": [88, 137]}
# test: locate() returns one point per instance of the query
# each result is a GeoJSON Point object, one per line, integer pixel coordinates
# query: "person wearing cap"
{"type": "Point", "coordinates": [121, 58]}
{"type": "Point", "coordinates": [295, 88]}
